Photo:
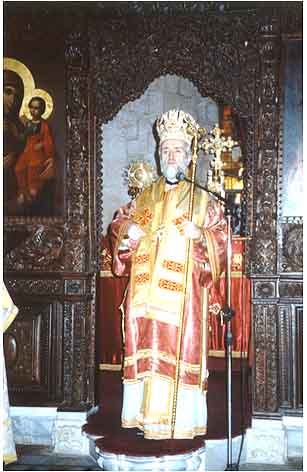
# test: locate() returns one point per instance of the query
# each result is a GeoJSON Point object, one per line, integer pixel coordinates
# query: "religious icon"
{"type": "Point", "coordinates": [29, 168]}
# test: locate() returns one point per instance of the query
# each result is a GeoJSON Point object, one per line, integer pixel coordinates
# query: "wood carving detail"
{"type": "Point", "coordinates": [35, 286]}
{"type": "Point", "coordinates": [291, 289]}
{"type": "Point", "coordinates": [67, 353]}
{"type": "Point", "coordinates": [292, 247]}
{"type": "Point", "coordinates": [291, 356]}
{"type": "Point", "coordinates": [79, 379]}
{"type": "Point", "coordinates": [26, 345]}
{"type": "Point", "coordinates": [78, 158]}
{"type": "Point", "coordinates": [292, 19]}
{"type": "Point", "coordinates": [285, 352]}
{"type": "Point", "coordinates": [42, 250]}
{"type": "Point", "coordinates": [74, 355]}
{"type": "Point", "coordinates": [172, 44]}
{"type": "Point", "coordinates": [90, 367]}
{"type": "Point", "coordinates": [265, 247]}
{"type": "Point", "coordinates": [266, 359]}
{"type": "Point", "coordinates": [264, 289]}
{"type": "Point", "coordinates": [226, 70]}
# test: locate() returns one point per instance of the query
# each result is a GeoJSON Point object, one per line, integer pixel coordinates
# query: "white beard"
{"type": "Point", "coordinates": [170, 172]}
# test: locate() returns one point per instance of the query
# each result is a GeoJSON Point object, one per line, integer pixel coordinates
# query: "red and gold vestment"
{"type": "Point", "coordinates": [160, 294]}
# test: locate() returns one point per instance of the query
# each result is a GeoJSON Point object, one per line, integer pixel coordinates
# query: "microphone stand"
{"type": "Point", "coordinates": [227, 313]}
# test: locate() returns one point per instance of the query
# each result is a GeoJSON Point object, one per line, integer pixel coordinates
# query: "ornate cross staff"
{"type": "Point", "coordinates": [215, 144]}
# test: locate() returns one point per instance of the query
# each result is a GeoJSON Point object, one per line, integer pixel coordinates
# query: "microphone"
{"type": "Point", "coordinates": [180, 176]}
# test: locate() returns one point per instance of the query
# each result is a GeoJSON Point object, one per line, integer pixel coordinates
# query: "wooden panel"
{"type": "Point", "coordinates": [265, 376]}
{"type": "Point", "coordinates": [30, 348]}
{"type": "Point", "coordinates": [290, 329]}
{"type": "Point", "coordinates": [298, 313]}
{"type": "Point", "coordinates": [286, 370]}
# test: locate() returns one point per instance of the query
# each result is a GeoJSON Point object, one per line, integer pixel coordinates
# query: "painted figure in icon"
{"type": "Point", "coordinates": [13, 138]}
{"type": "Point", "coordinates": [38, 155]}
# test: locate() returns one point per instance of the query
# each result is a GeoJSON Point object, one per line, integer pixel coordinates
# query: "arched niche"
{"type": "Point", "coordinates": [130, 136]}
{"type": "Point", "coordinates": [221, 66]}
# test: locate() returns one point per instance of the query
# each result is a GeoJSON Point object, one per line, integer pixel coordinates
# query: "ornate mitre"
{"type": "Point", "coordinates": [176, 124]}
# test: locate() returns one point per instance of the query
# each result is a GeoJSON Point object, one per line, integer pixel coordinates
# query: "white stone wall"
{"type": "Point", "coordinates": [129, 136]}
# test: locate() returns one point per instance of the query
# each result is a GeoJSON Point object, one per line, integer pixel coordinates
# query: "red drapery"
{"type": "Point", "coordinates": [240, 303]}
{"type": "Point", "coordinates": [110, 292]}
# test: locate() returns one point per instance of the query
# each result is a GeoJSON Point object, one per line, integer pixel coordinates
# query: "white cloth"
{"type": "Point", "coordinates": [191, 409]}
{"type": "Point", "coordinates": [9, 312]}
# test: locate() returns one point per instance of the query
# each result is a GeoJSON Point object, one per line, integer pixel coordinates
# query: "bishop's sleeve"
{"type": "Point", "coordinates": [122, 246]}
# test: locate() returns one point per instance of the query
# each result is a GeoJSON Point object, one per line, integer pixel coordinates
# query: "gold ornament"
{"type": "Point", "coordinates": [139, 175]}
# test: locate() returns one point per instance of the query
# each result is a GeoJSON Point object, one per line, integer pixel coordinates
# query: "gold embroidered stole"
{"type": "Point", "coordinates": [158, 266]}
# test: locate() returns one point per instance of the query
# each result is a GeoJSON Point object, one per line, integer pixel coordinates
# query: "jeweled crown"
{"type": "Point", "coordinates": [176, 124]}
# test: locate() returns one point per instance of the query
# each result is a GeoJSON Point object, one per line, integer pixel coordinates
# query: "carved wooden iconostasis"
{"type": "Point", "coordinates": [48, 263]}
{"type": "Point", "coordinates": [100, 59]}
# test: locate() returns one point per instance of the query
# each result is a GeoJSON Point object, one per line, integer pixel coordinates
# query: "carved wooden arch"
{"type": "Point", "coordinates": [218, 54]}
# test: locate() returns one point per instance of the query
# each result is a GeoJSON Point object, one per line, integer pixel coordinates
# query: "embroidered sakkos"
{"type": "Point", "coordinates": [156, 296]}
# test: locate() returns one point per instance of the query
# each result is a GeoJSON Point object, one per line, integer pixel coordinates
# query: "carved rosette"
{"type": "Point", "coordinates": [266, 359]}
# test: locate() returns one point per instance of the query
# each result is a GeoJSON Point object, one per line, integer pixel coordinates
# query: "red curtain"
{"type": "Point", "coordinates": [110, 293]}
{"type": "Point", "coordinates": [240, 303]}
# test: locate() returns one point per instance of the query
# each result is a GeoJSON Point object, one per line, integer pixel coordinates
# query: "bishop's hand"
{"type": "Point", "coordinates": [191, 230]}
{"type": "Point", "coordinates": [135, 232]}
